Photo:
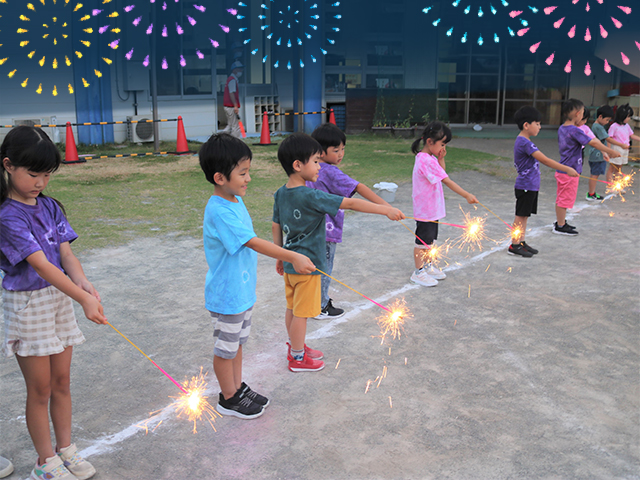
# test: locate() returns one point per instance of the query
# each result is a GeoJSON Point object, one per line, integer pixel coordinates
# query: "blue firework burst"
{"type": "Point", "coordinates": [286, 29]}
{"type": "Point", "coordinates": [482, 21]}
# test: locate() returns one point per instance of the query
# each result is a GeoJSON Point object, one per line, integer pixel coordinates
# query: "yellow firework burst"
{"type": "Point", "coordinates": [42, 33]}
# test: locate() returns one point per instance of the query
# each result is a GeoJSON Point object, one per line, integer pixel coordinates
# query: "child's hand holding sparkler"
{"type": "Point", "coordinates": [302, 264]}
{"type": "Point", "coordinates": [471, 198]}
{"type": "Point", "coordinates": [572, 173]}
{"type": "Point", "coordinates": [394, 214]}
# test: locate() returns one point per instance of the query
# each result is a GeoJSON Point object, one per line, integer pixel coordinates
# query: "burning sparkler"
{"type": "Point", "coordinates": [473, 234]}
{"type": "Point", "coordinates": [620, 184]}
{"type": "Point", "coordinates": [192, 402]}
{"type": "Point", "coordinates": [392, 323]}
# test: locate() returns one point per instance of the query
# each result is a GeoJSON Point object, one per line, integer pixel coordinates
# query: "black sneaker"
{"type": "Point", "coordinates": [566, 229]}
{"type": "Point", "coordinates": [240, 405]}
{"type": "Point", "coordinates": [519, 250]}
{"type": "Point", "coordinates": [594, 197]}
{"type": "Point", "coordinates": [256, 397]}
{"type": "Point", "coordinates": [330, 312]}
{"type": "Point", "coordinates": [529, 248]}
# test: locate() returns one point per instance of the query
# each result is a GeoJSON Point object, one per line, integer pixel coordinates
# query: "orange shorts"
{"type": "Point", "coordinates": [303, 294]}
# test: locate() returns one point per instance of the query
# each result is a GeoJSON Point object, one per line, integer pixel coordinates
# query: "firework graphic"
{"type": "Point", "coordinates": [41, 32]}
{"type": "Point", "coordinates": [174, 18]}
{"type": "Point", "coordinates": [286, 29]}
{"type": "Point", "coordinates": [486, 20]}
{"type": "Point", "coordinates": [581, 20]}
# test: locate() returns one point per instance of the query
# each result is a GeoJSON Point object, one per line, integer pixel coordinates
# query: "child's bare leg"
{"type": "Point", "coordinates": [297, 332]}
{"type": "Point", "coordinates": [561, 215]}
{"type": "Point", "coordinates": [60, 403]}
{"type": "Point", "coordinates": [229, 373]}
{"type": "Point", "coordinates": [593, 181]}
{"type": "Point", "coordinates": [418, 257]}
{"type": "Point", "coordinates": [37, 376]}
{"type": "Point", "coordinates": [519, 224]}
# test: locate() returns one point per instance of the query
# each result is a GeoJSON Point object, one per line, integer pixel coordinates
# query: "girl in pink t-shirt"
{"type": "Point", "coordinates": [621, 131]}
{"type": "Point", "coordinates": [428, 197]}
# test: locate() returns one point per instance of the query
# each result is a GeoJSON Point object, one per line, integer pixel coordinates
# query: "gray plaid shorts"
{"type": "Point", "coordinates": [38, 323]}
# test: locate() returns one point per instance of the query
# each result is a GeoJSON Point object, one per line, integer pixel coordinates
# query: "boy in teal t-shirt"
{"type": "Point", "coordinates": [299, 225]}
{"type": "Point", "coordinates": [230, 246]}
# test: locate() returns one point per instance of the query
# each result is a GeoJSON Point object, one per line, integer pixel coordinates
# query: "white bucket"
{"type": "Point", "coordinates": [386, 191]}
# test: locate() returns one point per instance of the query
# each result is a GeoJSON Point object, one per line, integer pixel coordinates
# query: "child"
{"type": "Point", "coordinates": [39, 323]}
{"type": "Point", "coordinates": [597, 159]}
{"type": "Point", "coordinates": [525, 158]}
{"type": "Point", "coordinates": [570, 142]}
{"type": "Point", "coordinates": [622, 133]}
{"type": "Point", "coordinates": [428, 197]}
{"type": "Point", "coordinates": [230, 246]}
{"type": "Point", "coordinates": [299, 212]}
{"type": "Point", "coordinates": [333, 180]}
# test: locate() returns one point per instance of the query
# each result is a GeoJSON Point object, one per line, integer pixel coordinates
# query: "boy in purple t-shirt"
{"type": "Point", "coordinates": [570, 142]}
{"type": "Point", "coordinates": [525, 158]}
{"type": "Point", "coordinates": [333, 180]}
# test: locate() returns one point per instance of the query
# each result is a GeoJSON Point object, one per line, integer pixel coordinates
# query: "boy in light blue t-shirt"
{"type": "Point", "coordinates": [230, 246]}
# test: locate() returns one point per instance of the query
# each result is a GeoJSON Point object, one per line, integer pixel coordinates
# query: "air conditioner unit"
{"type": "Point", "coordinates": [27, 121]}
{"type": "Point", "coordinates": [141, 131]}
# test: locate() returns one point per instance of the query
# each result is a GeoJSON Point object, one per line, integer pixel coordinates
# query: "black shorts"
{"type": "Point", "coordinates": [526, 202]}
{"type": "Point", "coordinates": [427, 232]}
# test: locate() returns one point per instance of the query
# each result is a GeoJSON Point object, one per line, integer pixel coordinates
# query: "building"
{"type": "Point", "coordinates": [385, 62]}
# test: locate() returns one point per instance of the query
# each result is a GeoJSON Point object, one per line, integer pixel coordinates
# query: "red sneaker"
{"type": "Point", "coordinates": [313, 354]}
{"type": "Point", "coordinates": [307, 364]}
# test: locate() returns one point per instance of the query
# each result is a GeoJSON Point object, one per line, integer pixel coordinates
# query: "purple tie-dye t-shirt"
{"type": "Point", "coordinates": [333, 180]}
{"type": "Point", "coordinates": [570, 142]}
{"type": "Point", "coordinates": [528, 167]}
{"type": "Point", "coordinates": [26, 229]}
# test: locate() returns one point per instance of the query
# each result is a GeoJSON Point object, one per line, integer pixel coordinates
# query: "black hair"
{"type": "Point", "coordinates": [221, 154]}
{"type": "Point", "coordinates": [297, 146]}
{"type": "Point", "coordinates": [569, 106]}
{"type": "Point", "coordinates": [435, 131]}
{"type": "Point", "coordinates": [605, 111]}
{"type": "Point", "coordinates": [329, 135]}
{"type": "Point", "coordinates": [586, 114]}
{"type": "Point", "coordinates": [526, 114]}
{"type": "Point", "coordinates": [30, 148]}
{"type": "Point", "coordinates": [622, 113]}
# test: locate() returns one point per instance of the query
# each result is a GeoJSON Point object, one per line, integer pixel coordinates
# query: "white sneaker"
{"type": "Point", "coordinates": [6, 467]}
{"type": "Point", "coordinates": [424, 279]}
{"type": "Point", "coordinates": [77, 465]}
{"type": "Point", "coordinates": [435, 272]}
{"type": "Point", "coordinates": [53, 469]}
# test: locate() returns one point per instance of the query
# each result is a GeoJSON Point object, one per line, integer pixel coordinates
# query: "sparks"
{"type": "Point", "coordinates": [620, 184]}
{"type": "Point", "coordinates": [473, 235]}
{"type": "Point", "coordinates": [392, 323]}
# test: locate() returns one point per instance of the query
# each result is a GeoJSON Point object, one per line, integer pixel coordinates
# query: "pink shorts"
{"type": "Point", "coordinates": [567, 190]}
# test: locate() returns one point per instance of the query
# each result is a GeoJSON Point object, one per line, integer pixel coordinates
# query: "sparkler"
{"type": "Point", "coordinates": [620, 184]}
{"type": "Point", "coordinates": [433, 254]}
{"type": "Point", "coordinates": [192, 402]}
{"type": "Point", "coordinates": [287, 27]}
{"type": "Point", "coordinates": [354, 290]}
{"type": "Point", "coordinates": [473, 235]}
{"type": "Point", "coordinates": [393, 323]}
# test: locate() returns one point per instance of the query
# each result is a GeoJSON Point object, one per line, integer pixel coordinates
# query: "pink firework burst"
{"type": "Point", "coordinates": [173, 20]}
{"type": "Point", "coordinates": [583, 20]}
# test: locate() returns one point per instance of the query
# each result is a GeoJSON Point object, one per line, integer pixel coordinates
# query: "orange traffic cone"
{"type": "Point", "coordinates": [181, 145]}
{"type": "Point", "coordinates": [70, 150]}
{"type": "Point", "coordinates": [332, 117]}
{"type": "Point", "coordinates": [265, 136]}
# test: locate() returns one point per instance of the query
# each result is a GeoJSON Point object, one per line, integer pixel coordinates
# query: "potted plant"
{"type": "Point", "coordinates": [380, 124]}
{"type": "Point", "coordinates": [402, 127]}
